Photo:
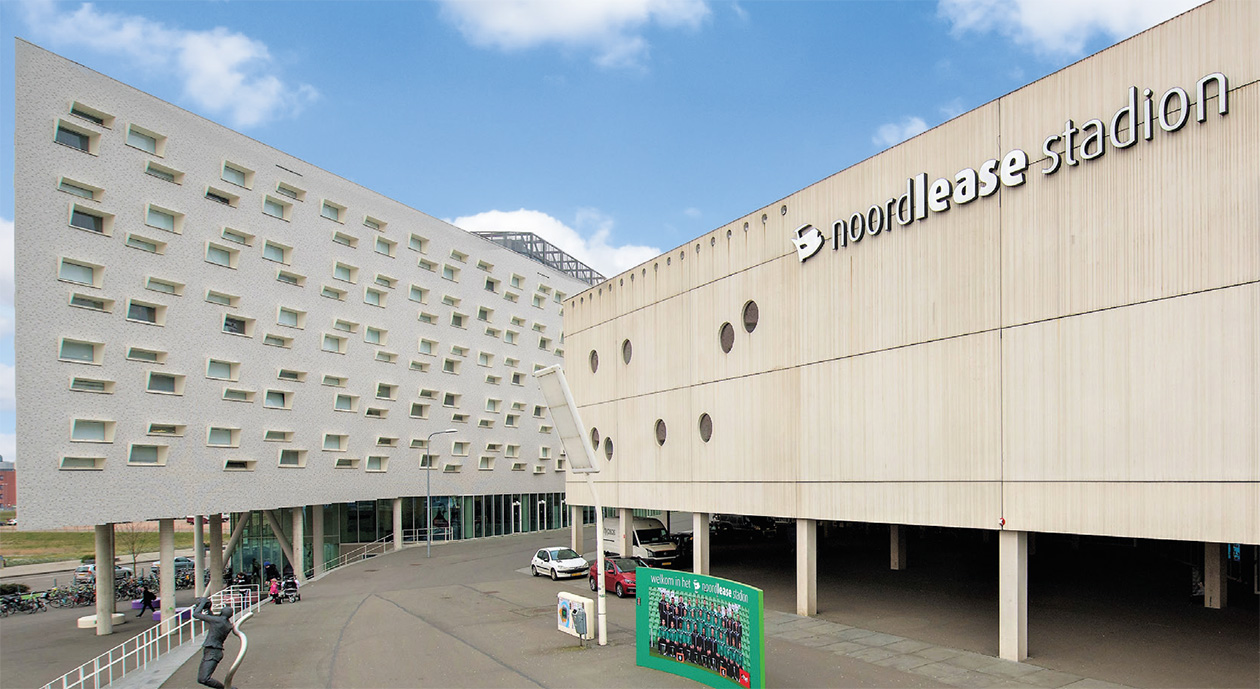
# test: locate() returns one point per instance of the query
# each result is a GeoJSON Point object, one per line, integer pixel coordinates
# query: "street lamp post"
{"type": "Point", "coordinates": [428, 494]}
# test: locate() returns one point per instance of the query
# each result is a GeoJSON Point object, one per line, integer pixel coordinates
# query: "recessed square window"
{"type": "Point", "coordinates": [374, 297]}
{"type": "Point", "coordinates": [223, 370]}
{"type": "Point", "coordinates": [80, 189]}
{"type": "Point", "coordinates": [385, 247]}
{"type": "Point", "coordinates": [427, 265]}
{"type": "Point", "coordinates": [345, 326]}
{"type": "Point", "coordinates": [236, 325]}
{"type": "Point", "coordinates": [419, 410]}
{"type": "Point", "coordinates": [144, 312]}
{"type": "Point", "coordinates": [374, 335]}
{"type": "Point", "coordinates": [335, 442]}
{"type": "Point", "coordinates": [238, 395]}
{"type": "Point", "coordinates": [92, 115]}
{"type": "Point", "coordinates": [418, 294]}
{"type": "Point", "coordinates": [165, 383]}
{"type": "Point", "coordinates": [92, 431]}
{"type": "Point", "coordinates": [458, 319]}
{"type": "Point", "coordinates": [238, 175]}
{"type": "Point", "coordinates": [377, 464]}
{"type": "Point", "coordinates": [146, 140]}
{"type": "Point", "coordinates": [275, 251]}
{"type": "Point", "coordinates": [82, 463]}
{"type": "Point", "coordinates": [418, 243]}
{"type": "Point", "coordinates": [239, 464]}
{"type": "Point", "coordinates": [334, 381]}
{"type": "Point", "coordinates": [386, 391]}
{"type": "Point", "coordinates": [277, 208]}
{"type": "Point", "coordinates": [485, 463]}
{"type": "Point", "coordinates": [492, 379]}
{"type": "Point", "coordinates": [164, 219]}
{"type": "Point", "coordinates": [289, 374]}
{"type": "Point", "coordinates": [428, 394]}
{"type": "Point", "coordinates": [485, 359]}
{"type": "Point", "coordinates": [420, 366]}
{"type": "Point", "coordinates": [451, 273]}
{"type": "Point", "coordinates": [345, 240]}
{"type": "Point", "coordinates": [221, 255]}
{"type": "Point", "coordinates": [237, 236]}
{"type": "Point", "coordinates": [148, 455]}
{"type": "Point", "coordinates": [451, 399]}
{"type": "Point", "coordinates": [448, 300]}
{"type": "Point", "coordinates": [278, 399]}
{"type": "Point", "coordinates": [376, 413]}
{"type": "Point", "coordinates": [347, 463]}
{"type": "Point", "coordinates": [167, 429]}
{"type": "Point", "coordinates": [277, 436]}
{"type": "Point", "coordinates": [332, 293]}
{"type": "Point", "coordinates": [291, 278]}
{"type": "Point", "coordinates": [510, 336]}
{"type": "Point", "coordinates": [218, 436]}
{"type": "Point", "coordinates": [77, 137]}
{"type": "Point", "coordinates": [450, 366]}
{"type": "Point", "coordinates": [385, 281]}
{"type": "Point", "coordinates": [333, 343]}
{"type": "Point", "coordinates": [290, 191]}
{"type": "Point", "coordinates": [220, 196]}
{"type": "Point", "coordinates": [427, 346]}
{"type": "Point", "coordinates": [273, 340]}
{"type": "Point", "coordinates": [165, 286]}
{"type": "Point", "coordinates": [164, 173]}
{"type": "Point", "coordinates": [222, 298]}
{"type": "Point", "coordinates": [374, 223]}
{"type": "Point", "coordinates": [346, 403]}
{"type": "Point", "coordinates": [148, 356]}
{"type": "Point", "coordinates": [345, 273]}
{"type": "Point", "coordinates": [332, 211]}
{"type": "Point", "coordinates": [293, 459]}
{"type": "Point", "coordinates": [152, 246]}
{"type": "Point", "coordinates": [291, 318]}
{"type": "Point", "coordinates": [91, 220]}
{"type": "Point", "coordinates": [426, 317]}
{"type": "Point", "coordinates": [512, 420]}
{"type": "Point", "coordinates": [84, 301]}
{"type": "Point", "coordinates": [80, 351]}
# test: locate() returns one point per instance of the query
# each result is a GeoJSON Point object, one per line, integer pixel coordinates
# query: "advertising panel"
{"type": "Point", "coordinates": [704, 628]}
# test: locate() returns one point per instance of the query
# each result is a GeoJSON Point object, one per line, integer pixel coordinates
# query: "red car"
{"type": "Point", "coordinates": [618, 576]}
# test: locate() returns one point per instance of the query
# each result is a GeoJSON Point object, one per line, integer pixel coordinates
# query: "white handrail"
{"type": "Point", "coordinates": [139, 651]}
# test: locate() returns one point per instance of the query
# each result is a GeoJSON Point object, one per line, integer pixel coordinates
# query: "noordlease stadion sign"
{"type": "Point", "coordinates": [1172, 111]}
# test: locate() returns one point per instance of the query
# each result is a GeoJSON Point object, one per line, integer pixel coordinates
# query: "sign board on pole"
{"type": "Point", "coordinates": [704, 628]}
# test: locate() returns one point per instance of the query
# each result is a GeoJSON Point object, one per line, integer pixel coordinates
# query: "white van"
{"type": "Point", "coordinates": [651, 544]}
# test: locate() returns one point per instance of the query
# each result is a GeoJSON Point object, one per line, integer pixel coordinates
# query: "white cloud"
{"type": "Point", "coordinates": [8, 446]}
{"type": "Point", "coordinates": [691, 212]}
{"type": "Point", "coordinates": [894, 133]}
{"type": "Point", "coordinates": [1060, 28]}
{"type": "Point", "coordinates": [587, 240]}
{"type": "Point", "coordinates": [224, 73]}
{"type": "Point", "coordinates": [611, 28]}
{"type": "Point", "coordinates": [8, 398]}
{"type": "Point", "coordinates": [952, 109]}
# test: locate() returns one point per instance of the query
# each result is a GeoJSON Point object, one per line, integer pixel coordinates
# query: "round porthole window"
{"type": "Point", "coordinates": [750, 316]}
{"type": "Point", "coordinates": [660, 431]}
{"type": "Point", "coordinates": [726, 335]}
{"type": "Point", "coordinates": [706, 427]}
{"type": "Point", "coordinates": [595, 360]}
{"type": "Point", "coordinates": [595, 438]}
{"type": "Point", "coordinates": [626, 351]}
{"type": "Point", "coordinates": [608, 448]}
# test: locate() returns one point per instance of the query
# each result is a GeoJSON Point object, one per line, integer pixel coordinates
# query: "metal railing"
{"type": "Point", "coordinates": [147, 647]}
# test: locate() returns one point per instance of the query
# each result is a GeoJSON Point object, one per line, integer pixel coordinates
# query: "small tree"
{"type": "Point", "coordinates": [132, 538]}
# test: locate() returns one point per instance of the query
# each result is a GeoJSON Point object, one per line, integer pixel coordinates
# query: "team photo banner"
{"type": "Point", "coordinates": [704, 628]}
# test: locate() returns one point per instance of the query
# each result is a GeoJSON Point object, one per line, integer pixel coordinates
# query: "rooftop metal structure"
{"type": "Point", "coordinates": [546, 253]}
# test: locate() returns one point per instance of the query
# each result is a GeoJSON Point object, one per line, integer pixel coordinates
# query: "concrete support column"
{"type": "Point", "coordinates": [104, 579]}
{"type": "Point", "coordinates": [299, 544]}
{"type": "Point", "coordinates": [317, 539]}
{"type": "Point", "coordinates": [1013, 595]}
{"type": "Point", "coordinates": [1214, 582]}
{"type": "Point", "coordinates": [166, 565]}
{"type": "Point", "coordinates": [199, 553]}
{"type": "Point", "coordinates": [216, 553]}
{"type": "Point", "coordinates": [897, 547]}
{"type": "Point", "coordinates": [398, 527]}
{"type": "Point", "coordinates": [626, 544]}
{"type": "Point", "coordinates": [700, 542]}
{"type": "Point", "coordinates": [806, 567]}
{"type": "Point", "coordinates": [576, 528]}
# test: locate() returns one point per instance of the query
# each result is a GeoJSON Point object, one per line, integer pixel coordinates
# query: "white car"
{"type": "Point", "coordinates": [560, 562]}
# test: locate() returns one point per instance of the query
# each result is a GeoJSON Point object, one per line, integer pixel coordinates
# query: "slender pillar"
{"type": "Point", "coordinates": [1013, 595]}
{"type": "Point", "coordinates": [104, 579]}
{"type": "Point", "coordinates": [216, 553]}
{"type": "Point", "coordinates": [398, 527]}
{"type": "Point", "coordinates": [575, 528]}
{"type": "Point", "coordinates": [897, 547]}
{"type": "Point", "coordinates": [626, 544]}
{"type": "Point", "coordinates": [166, 581]}
{"type": "Point", "coordinates": [299, 545]}
{"type": "Point", "coordinates": [1214, 570]}
{"type": "Point", "coordinates": [317, 539]}
{"type": "Point", "coordinates": [806, 567]}
{"type": "Point", "coordinates": [199, 553]}
{"type": "Point", "coordinates": [700, 542]}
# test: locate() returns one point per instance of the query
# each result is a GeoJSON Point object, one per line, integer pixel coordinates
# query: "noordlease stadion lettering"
{"type": "Point", "coordinates": [1172, 112]}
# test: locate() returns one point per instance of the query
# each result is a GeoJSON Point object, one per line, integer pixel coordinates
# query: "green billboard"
{"type": "Point", "coordinates": [703, 628]}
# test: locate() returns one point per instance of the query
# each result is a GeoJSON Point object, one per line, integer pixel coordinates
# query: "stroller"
{"type": "Point", "coordinates": [289, 590]}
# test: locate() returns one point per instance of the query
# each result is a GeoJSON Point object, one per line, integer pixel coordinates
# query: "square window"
{"type": "Point", "coordinates": [81, 352]}
{"type": "Point", "coordinates": [427, 265]}
{"type": "Point", "coordinates": [374, 335]}
{"type": "Point", "coordinates": [345, 273]}
{"type": "Point", "coordinates": [374, 297]}
{"type": "Point", "coordinates": [148, 455]}
{"type": "Point", "coordinates": [291, 318]}
{"type": "Point", "coordinates": [450, 273]}
{"type": "Point", "coordinates": [222, 299]}
{"type": "Point", "coordinates": [164, 286]}
{"type": "Point", "coordinates": [165, 383]}
{"type": "Point", "coordinates": [385, 281]}
{"type": "Point", "coordinates": [166, 429]}
{"type": "Point", "coordinates": [164, 173]}
{"type": "Point", "coordinates": [223, 370]}
{"type": "Point", "coordinates": [92, 115]}
{"type": "Point", "coordinates": [235, 325]}
{"type": "Point", "coordinates": [290, 278]}
{"type": "Point", "coordinates": [376, 413]}
{"type": "Point", "coordinates": [77, 137]}
{"type": "Point", "coordinates": [237, 236]}
{"type": "Point", "coordinates": [279, 253]}
{"type": "Point", "coordinates": [223, 437]}
{"type": "Point", "coordinates": [290, 191]}
{"type": "Point", "coordinates": [385, 247]}
{"type": "Point", "coordinates": [347, 463]}
{"type": "Point", "coordinates": [457, 320]}
{"type": "Point", "coordinates": [234, 395]}
{"type": "Point", "coordinates": [277, 208]}
{"type": "Point", "coordinates": [334, 381]}
{"type": "Point", "coordinates": [237, 175]}
{"type": "Point", "coordinates": [278, 399]}
{"type": "Point", "coordinates": [145, 244]}
{"type": "Point", "coordinates": [345, 240]}
{"type": "Point", "coordinates": [273, 436]}
{"type": "Point", "coordinates": [294, 459]}
{"type": "Point", "coordinates": [295, 376]}
{"type": "Point", "coordinates": [84, 301]}
{"type": "Point", "coordinates": [418, 294]}
{"type": "Point", "coordinates": [146, 355]}
{"type": "Point", "coordinates": [346, 326]}
{"type": "Point", "coordinates": [419, 410]}
{"type": "Point", "coordinates": [140, 312]}
{"type": "Point", "coordinates": [418, 243]}
{"type": "Point", "coordinates": [377, 463]}
{"type": "Point", "coordinates": [146, 140]}
{"type": "Point", "coordinates": [385, 391]}
{"type": "Point", "coordinates": [223, 197]}
{"type": "Point", "coordinates": [332, 211]}
{"type": "Point", "coordinates": [221, 255]}
{"type": "Point", "coordinates": [335, 442]}
{"type": "Point", "coordinates": [345, 403]}
{"type": "Point", "coordinates": [333, 343]}
{"type": "Point", "coordinates": [332, 293]}
{"type": "Point", "coordinates": [277, 341]}
{"type": "Point", "coordinates": [79, 189]}
{"type": "Point", "coordinates": [89, 431]}
{"type": "Point", "coordinates": [87, 220]}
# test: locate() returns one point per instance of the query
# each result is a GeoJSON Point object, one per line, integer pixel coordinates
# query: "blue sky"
{"type": "Point", "coordinates": [615, 128]}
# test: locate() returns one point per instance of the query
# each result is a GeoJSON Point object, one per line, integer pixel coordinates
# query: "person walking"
{"type": "Point", "coordinates": [146, 601]}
